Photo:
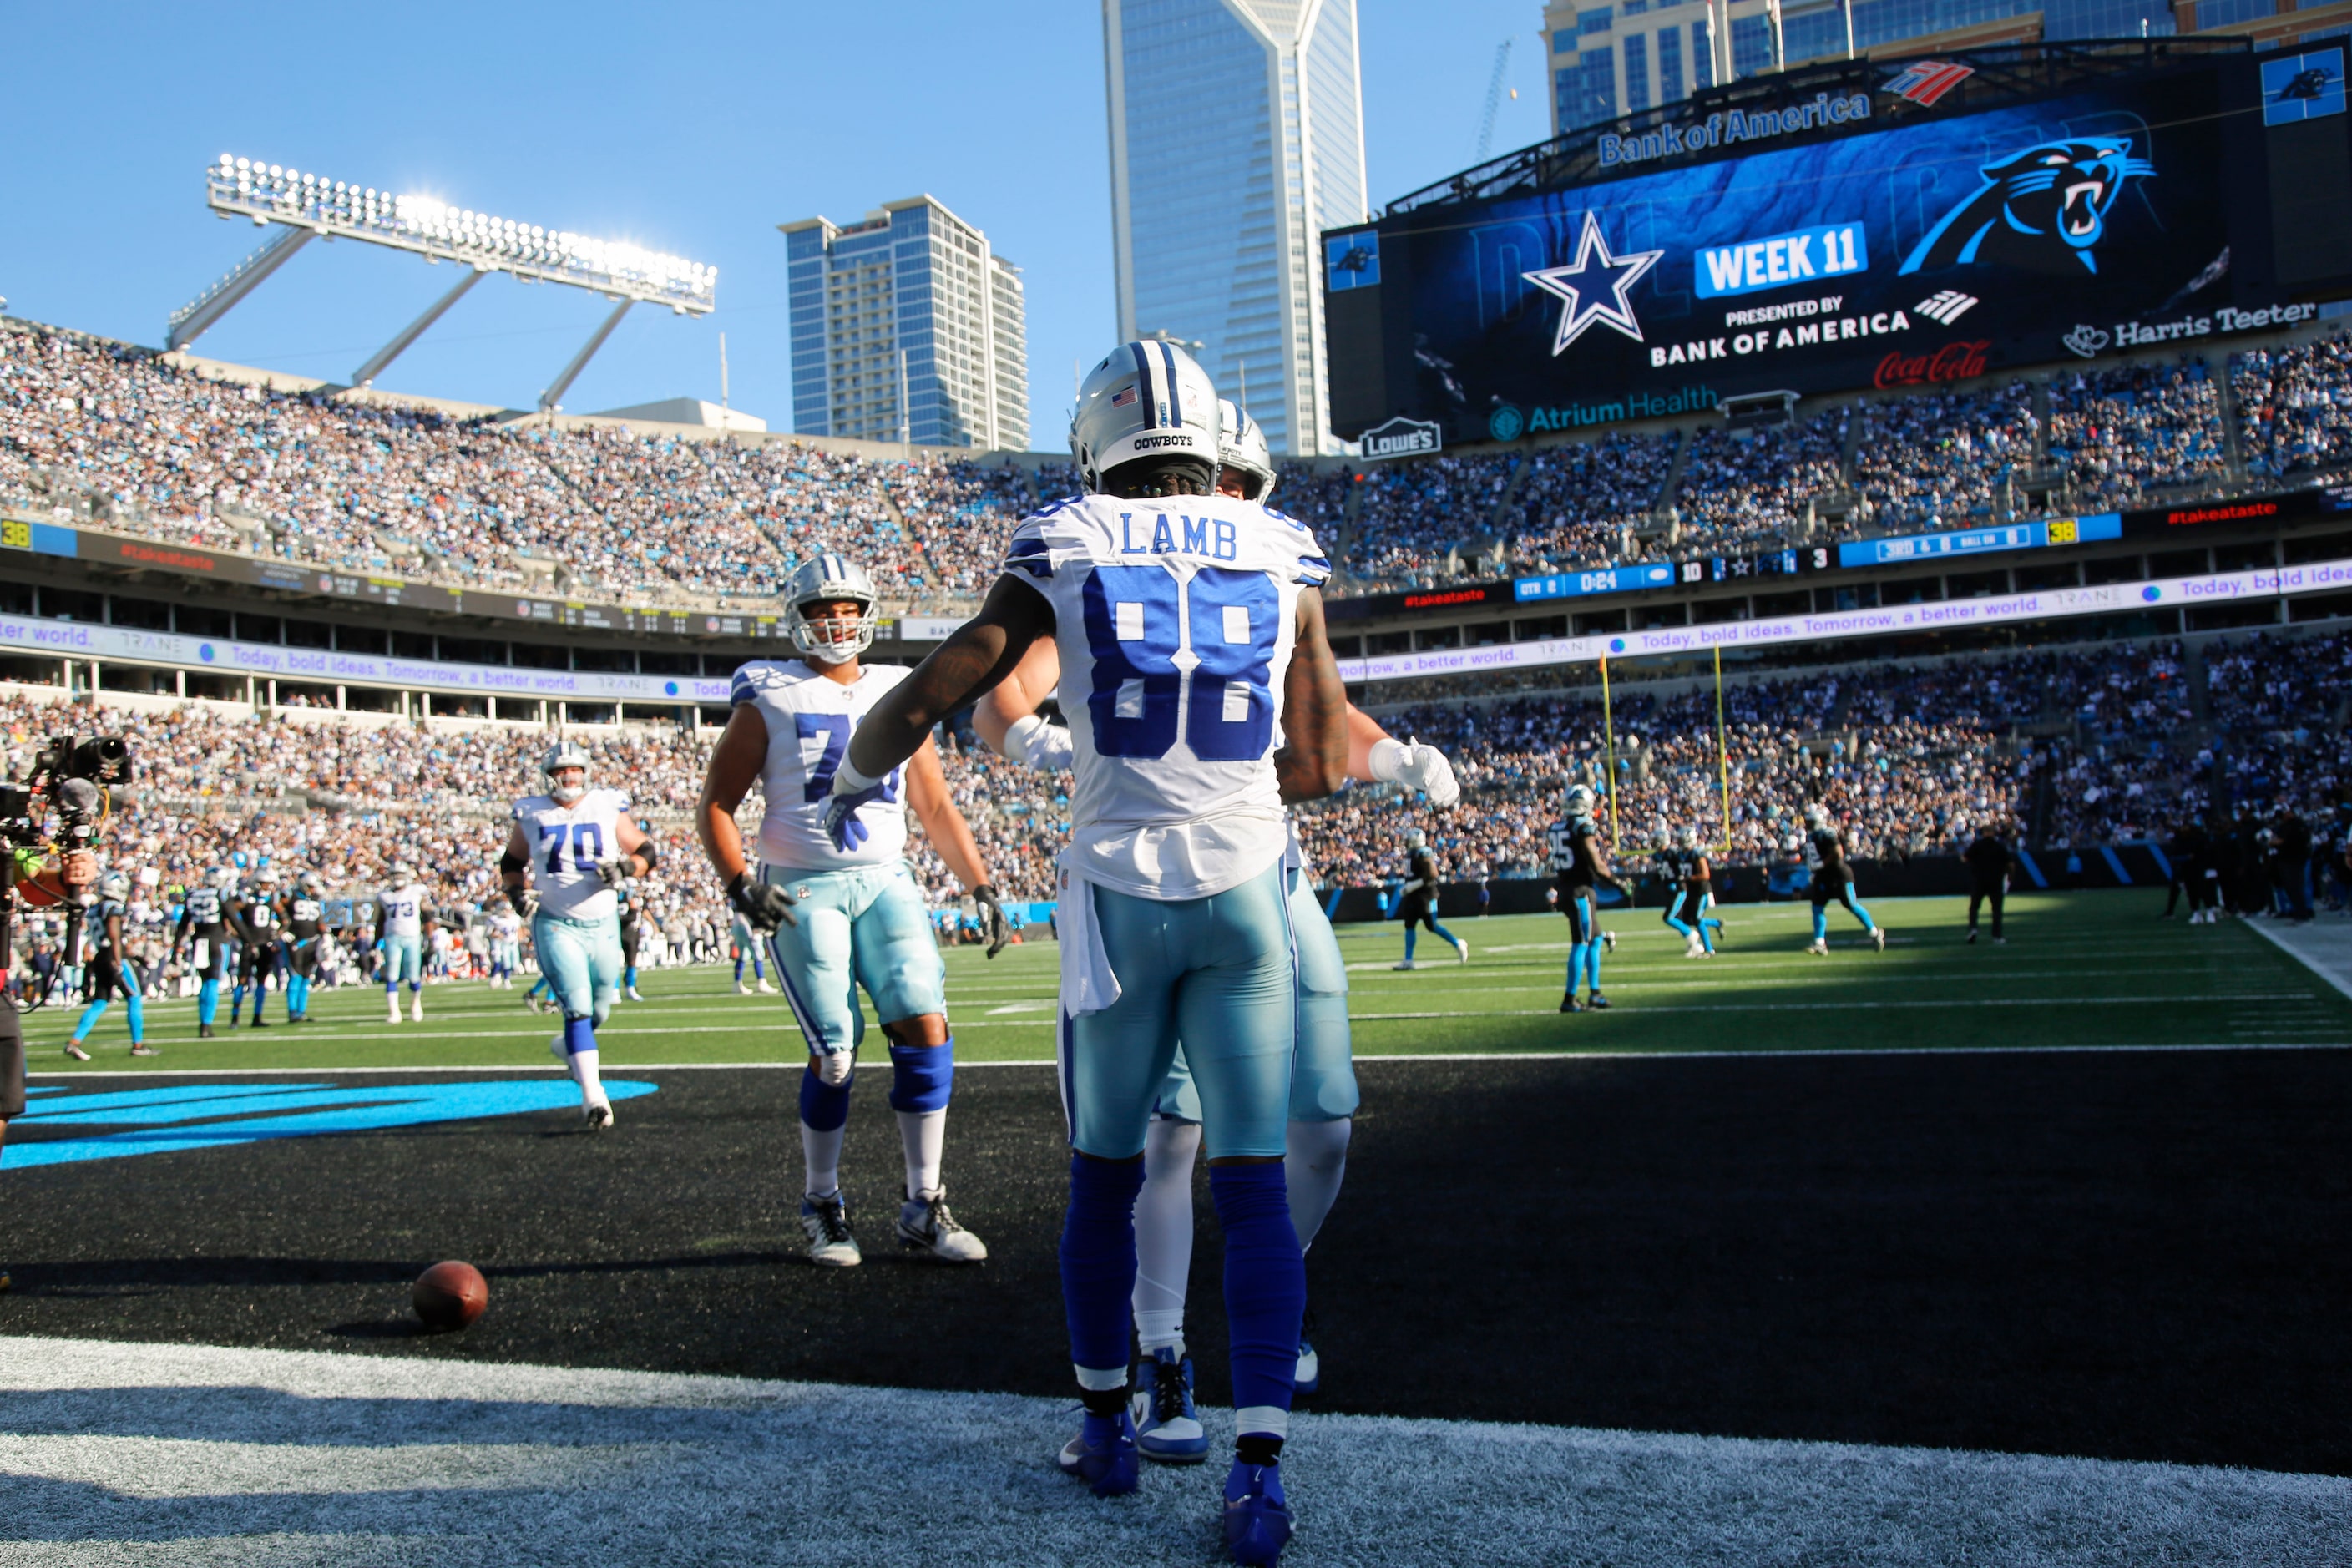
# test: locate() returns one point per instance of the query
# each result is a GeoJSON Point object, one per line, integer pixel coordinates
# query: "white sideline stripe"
{"type": "Point", "coordinates": [2325, 949]}
{"type": "Point", "coordinates": [1666, 1054]}
{"type": "Point", "coordinates": [191, 1454]}
{"type": "Point", "coordinates": [1855, 1006]}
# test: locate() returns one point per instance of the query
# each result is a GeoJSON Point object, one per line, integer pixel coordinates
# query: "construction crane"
{"type": "Point", "coordinates": [1494, 99]}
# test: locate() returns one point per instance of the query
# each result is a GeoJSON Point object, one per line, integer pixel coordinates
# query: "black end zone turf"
{"type": "Point", "coordinates": [2136, 1256]}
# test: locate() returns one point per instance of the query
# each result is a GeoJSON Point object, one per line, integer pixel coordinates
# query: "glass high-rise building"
{"type": "Point", "coordinates": [1615, 58]}
{"type": "Point", "coordinates": [907, 326]}
{"type": "Point", "coordinates": [1236, 137]}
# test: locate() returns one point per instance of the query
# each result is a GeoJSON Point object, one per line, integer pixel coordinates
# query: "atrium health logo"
{"type": "Point", "coordinates": [177, 1118]}
{"type": "Point", "coordinates": [1506, 423]}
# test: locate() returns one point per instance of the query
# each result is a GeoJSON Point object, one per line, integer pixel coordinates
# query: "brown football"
{"type": "Point", "coordinates": [450, 1295]}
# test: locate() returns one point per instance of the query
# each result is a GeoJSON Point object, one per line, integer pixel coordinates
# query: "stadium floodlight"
{"type": "Point", "coordinates": [307, 206]}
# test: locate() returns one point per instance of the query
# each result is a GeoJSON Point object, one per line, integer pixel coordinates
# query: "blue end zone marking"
{"type": "Point", "coordinates": [2163, 861]}
{"type": "Point", "coordinates": [2032, 871]}
{"type": "Point", "coordinates": [365, 1108]}
{"type": "Point", "coordinates": [2107, 853]}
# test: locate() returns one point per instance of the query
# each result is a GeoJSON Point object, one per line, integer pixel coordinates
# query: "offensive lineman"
{"type": "Point", "coordinates": [1578, 864]}
{"type": "Point", "coordinates": [841, 910]}
{"type": "Point", "coordinates": [1833, 878]}
{"type": "Point", "coordinates": [1323, 1095]}
{"type": "Point", "coordinates": [748, 945]}
{"type": "Point", "coordinates": [110, 969]}
{"type": "Point", "coordinates": [575, 843]}
{"type": "Point", "coordinates": [400, 932]}
{"type": "Point", "coordinates": [1201, 694]}
{"type": "Point", "coordinates": [201, 913]}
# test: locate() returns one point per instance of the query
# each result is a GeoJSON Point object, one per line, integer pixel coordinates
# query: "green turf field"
{"type": "Point", "coordinates": [2088, 969]}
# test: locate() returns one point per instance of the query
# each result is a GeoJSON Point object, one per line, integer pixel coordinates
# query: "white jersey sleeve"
{"type": "Point", "coordinates": [808, 719]}
{"type": "Point", "coordinates": [566, 843]}
{"type": "Point", "coordinates": [1175, 620]}
{"type": "Point", "coordinates": [404, 910]}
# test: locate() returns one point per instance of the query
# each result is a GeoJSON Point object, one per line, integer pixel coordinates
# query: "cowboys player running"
{"type": "Point", "coordinates": [400, 932]}
{"type": "Point", "coordinates": [1578, 865]}
{"type": "Point", "coordinates": [1323, 1096]}
{"type": "Point", "coordinates": [574, 843]}
{"type": "Point", "coordinates": [842, 909]}
{"type": "Point", "coordinates": [1833, 878]}
{"type": "Point", "coordinates": [1202, 695]}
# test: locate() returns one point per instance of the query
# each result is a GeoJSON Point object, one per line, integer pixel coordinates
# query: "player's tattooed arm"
{"type": "Point", "coordinates": [1313, 761]}
{"type": "Point", "coordinates": [976, 657]}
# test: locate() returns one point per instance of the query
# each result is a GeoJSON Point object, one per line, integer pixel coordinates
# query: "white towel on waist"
{"type": "Point", "coordinates": [1088, 982]}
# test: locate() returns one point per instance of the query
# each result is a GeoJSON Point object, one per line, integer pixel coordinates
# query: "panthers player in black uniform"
{"type": "Point", "coordinates": [203, 929]}
{"type": "Point", "coordinates": [1833, 878]}
{"type": "Point", "coordinates": [1578, 865]}
{"type": "Point", "coordinates": [252, 916]}
{"type": "Point", "coordinates": [1419, 906]}
{"type": "Point", "coordinates": [110, 969]}
{"type": "Point", "coordinates": [1690, 894]}
{"type": "Point", "coordinates": [632, 910]}
{"type": "Point", "coordinates": [302, 909]}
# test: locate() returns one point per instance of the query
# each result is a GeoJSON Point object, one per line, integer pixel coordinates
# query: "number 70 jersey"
{"type": "Point", "coordinates": [566, 843]}
{"type": "Point", "coordinates": [1175, 619]}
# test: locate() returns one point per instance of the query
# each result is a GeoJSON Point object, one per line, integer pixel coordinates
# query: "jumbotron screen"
{"type": "Point", "coordinates": [1899, 224]}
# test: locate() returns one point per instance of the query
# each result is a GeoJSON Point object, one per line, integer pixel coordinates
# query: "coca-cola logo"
{"type": "Point", "coordinates": [1953, 361]}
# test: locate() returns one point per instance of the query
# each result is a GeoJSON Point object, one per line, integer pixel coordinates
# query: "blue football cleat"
{"type": "Point", "coordinates": [1257, 1519]}
{"type": "Point", "coordinates": [1103, 1455]}
{"type": "Point", "coordinates": [1308, 1376]}
{"type": "Point", "coordinates": [1167, 1428]}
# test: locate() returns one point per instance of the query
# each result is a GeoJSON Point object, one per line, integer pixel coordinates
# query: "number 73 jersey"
{"type": "Point", "coordinates": [1174, 618]}
{"type": "Point", "coordinates": [567, 842]}
{"type": "Point", "coordinates": [809, 718]}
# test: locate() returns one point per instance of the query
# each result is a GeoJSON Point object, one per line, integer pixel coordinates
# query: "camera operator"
{"type": "Point", "coordinates": [76, 871]}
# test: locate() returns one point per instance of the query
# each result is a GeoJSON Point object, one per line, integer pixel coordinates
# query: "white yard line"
{"type": "Point", "coordinates": [119, 1453]}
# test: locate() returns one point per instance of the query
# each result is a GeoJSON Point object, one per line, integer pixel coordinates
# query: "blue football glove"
{"type": "Point", "coordinates": [850, 791]}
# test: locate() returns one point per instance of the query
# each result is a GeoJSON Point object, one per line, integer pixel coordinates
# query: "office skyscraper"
{"type": "Point", "coordinates": [1236, 137]}
{"type": "Point", "coordinates": [906, 327]}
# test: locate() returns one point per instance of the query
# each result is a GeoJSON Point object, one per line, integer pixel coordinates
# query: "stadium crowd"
{"type": "Point", "coordinates": [135, 441]}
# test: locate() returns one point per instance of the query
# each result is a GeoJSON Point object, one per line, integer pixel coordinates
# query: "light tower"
{"type": "Point", "coordinates": [304, 208]}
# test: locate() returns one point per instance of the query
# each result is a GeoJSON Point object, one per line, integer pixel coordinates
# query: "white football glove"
{"type": "Point", "coordinates": [1415, 766]}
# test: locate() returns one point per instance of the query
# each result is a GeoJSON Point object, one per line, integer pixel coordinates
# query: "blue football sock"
{"type": "Point", "coordinates": [137, 1009]}
{"type": "Point", "coordinates": [1098, 1263]}
{"type": "Point", "coordinates": [1592, 951]}
{"type": "Point", "coordinates": [236, 1003]}
{"type": "Point", "coordinates": [1821, 923]}
{"type": "Point", "coordinates": [207, 1001]}
{"type": "Point", "coordinates": [739, 972]}
{"type": "Point", "coordinates": [1864, 916]}
{"type": "Point", "coordinates": [579, 1034]}
{"type": "Point", "coordinates": [824, 1108]}
{"type": "Point", "coordinates": [90, 1016]}
{"type": "Point", "coordinates": [1265, 1292]}
{"type": "Point", "coordinates": [1575, 962]}
{"type": "Point", "coordinates": [629, 977]}
{"type": "Point", "coordinates": [759, 972]}
{"type": "Point", "coordinates": [1440, 933]}
{"type": "Point", "coordinates": [1410, 932]}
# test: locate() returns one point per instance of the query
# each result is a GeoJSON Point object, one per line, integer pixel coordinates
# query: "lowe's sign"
{"type": "Point", "coordinates": [1402, 438]}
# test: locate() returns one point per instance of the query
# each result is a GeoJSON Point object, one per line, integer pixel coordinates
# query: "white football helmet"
{"type": "Point", "coordinates": [1577, 801]}
{"type": "Point", "coordinates": [823, 579]}
{"type": "Point", "coordinates": [1690, 838]}
{"type": "Point", "coordinates": [403, 873]}
{"type": "Point", "coordinates": [115, 885]}
{"type": "Point", "coordinates": [1816, 814]}
{"type": "Point", "coordinates": [561, 755]}
{"type": "Point", "coordinates": [222, 879]}
{"type": "Point", "coordinates": [1416, 839]}
{"type": "Point", "coordinates": [310, 883]}
{"type": "Point", "coordinates": [1146, 399]}
{"type": "Point", "coordinates": [265, 877]}
{"type": "Point", "coordinates": [1242, 449]}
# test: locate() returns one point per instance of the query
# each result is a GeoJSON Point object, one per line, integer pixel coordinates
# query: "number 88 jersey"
{"type": "Point", "coordinates": [1175, 618]}
{"type": "Point", "coordinates": [566, 843]}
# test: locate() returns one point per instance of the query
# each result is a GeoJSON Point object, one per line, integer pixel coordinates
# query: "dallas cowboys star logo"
{"type": "Point", "coordinates": [1607, 304]}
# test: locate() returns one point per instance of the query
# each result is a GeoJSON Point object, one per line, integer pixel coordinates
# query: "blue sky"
{"type": "Point", "coordinates": [694, 131]}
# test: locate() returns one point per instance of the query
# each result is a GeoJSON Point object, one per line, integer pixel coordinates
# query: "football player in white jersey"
{"type": "Point", "coordinates": [400, 935]}
{"type": "Point", "coordinates": [1323, 1096]}
{"type": "Point", "coordinates": [842, 912]}
{"type": "Point", "coordinates": [506, 948]}
{"type": "Point", "coordinates": [1202, 695]}
{"type": "Point", "coordinates": [573, 844]}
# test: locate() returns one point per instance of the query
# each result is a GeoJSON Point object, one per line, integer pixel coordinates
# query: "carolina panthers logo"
{"type": "Point", "coordinates": [2037, 207]}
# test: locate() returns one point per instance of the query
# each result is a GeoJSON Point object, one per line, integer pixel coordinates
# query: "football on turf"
{"type": "Point", "coordinates": [450, 1295]}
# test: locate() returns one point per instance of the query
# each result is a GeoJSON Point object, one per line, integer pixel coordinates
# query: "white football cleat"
{"type": "Point", "coordinates": [633, 994]}
{"type": "Point", "coordinates": [417, 1009]}
{"type": "Point", "coordinates": [742, 989]}
{"type": "Point", "coordinates": [826, 1222]}
{"type": "Point", "coordinates": [1403, 963]}
{"type": "Point", "coordinates": [1818, 949]}
{"type": "Point", "coordinates": [766, 989]}
{"type": "Point", "coordinates": [1609, 942]}
{"type": "Point", "coordinates": [925, 1226]}
{"type": "Point", "coordinates": [1878, 937]}
{"type": "Point", "coordinates": [1462, 948]}
{"type": "Point", "coordinates": [392, 1009]}
{"type": "Point", "coordinates": [1694, 948]}
{"type": "Point", "coordinates": [596, 1116]}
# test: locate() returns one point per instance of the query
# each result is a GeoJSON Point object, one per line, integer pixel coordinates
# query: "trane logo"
{"type": "Point", "coordinates": [1402, 438]}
